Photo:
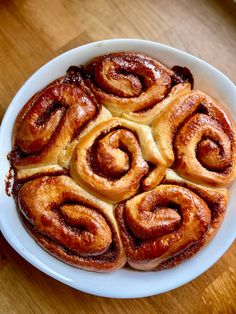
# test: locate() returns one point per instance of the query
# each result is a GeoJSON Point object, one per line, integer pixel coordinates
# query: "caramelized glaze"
{"type": "Point", "coordinates": [198, 139]}
{"type": "Point", "coordinates": [132, 85]}
{"type": "Point", "coordinates": [136, 183]}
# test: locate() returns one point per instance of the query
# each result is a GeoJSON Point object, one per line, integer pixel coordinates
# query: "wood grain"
{"type": "Point", "coordinates": [33, 32]}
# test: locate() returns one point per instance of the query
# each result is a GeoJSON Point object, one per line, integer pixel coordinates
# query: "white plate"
{"type": "Point", "coordinates": [123, 283]}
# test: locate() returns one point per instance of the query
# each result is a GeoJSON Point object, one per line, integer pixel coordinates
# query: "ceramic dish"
{"type": "Point", "coordinates": [124, 283]}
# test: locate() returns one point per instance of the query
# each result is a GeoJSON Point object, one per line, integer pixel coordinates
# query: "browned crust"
{"type": "Point", "coordinates": [112, 260]}
{"type": "Point", "coordinates": [91, 82]}
{"type": "Point", "coordinates": [216, 202]}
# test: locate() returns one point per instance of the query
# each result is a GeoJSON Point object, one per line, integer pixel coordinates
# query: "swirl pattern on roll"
{"type": "Point", "coordinates": [132, 85]}
{"type": "Point", "coordinates": [71, 224]}
{"type": "Point", "coordinates": [116, 159]}
{"type": "Point", "coordinates": [47, 127]}
{"type": "Point", "coordinates": [197, 139]}
{"type": "Point", "coordinates": [169, 224]}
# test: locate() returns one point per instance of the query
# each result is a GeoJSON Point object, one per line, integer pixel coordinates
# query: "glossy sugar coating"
{"type": "Point", "coordinates": [120, 161]}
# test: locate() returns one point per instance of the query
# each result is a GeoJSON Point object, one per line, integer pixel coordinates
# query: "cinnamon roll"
{"type": "Point", "coordinates": [197, 138]}
{"type": "Point", "coordinates": [167, 225]}
{"type": "Point", "coordinates": [49, 126]}
{"type": "Point", "coordinates": [71, 224]}
{"type": "Point", "coordinates": [132, 85]}
{"type": "Point", "coordinates": [116, 159]}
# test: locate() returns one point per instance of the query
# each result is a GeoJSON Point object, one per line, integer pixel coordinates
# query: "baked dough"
{"type": "Point", "coordinates": [121, 161]}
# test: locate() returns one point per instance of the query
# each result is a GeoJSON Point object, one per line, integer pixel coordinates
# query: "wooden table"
{"type": "Point", "coordinates": [33, 32]}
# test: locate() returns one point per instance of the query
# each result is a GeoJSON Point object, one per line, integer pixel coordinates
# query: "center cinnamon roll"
{"type": "Point", "coordinates": [116, 159]}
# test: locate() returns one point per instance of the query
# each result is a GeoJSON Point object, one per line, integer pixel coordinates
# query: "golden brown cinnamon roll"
{"type": "Point", "coordinates": [198, 139]}
{"type": "Point", "coordinates": [169, 224]}
{"type": "Point", "coordinates": [71, 224]}
{"type": "Point", "coordinates": [132, 85]}
{"type": "Point", "coordinates": [49, 125]}
{"type": "Point", "coordinates": [116, 158]}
